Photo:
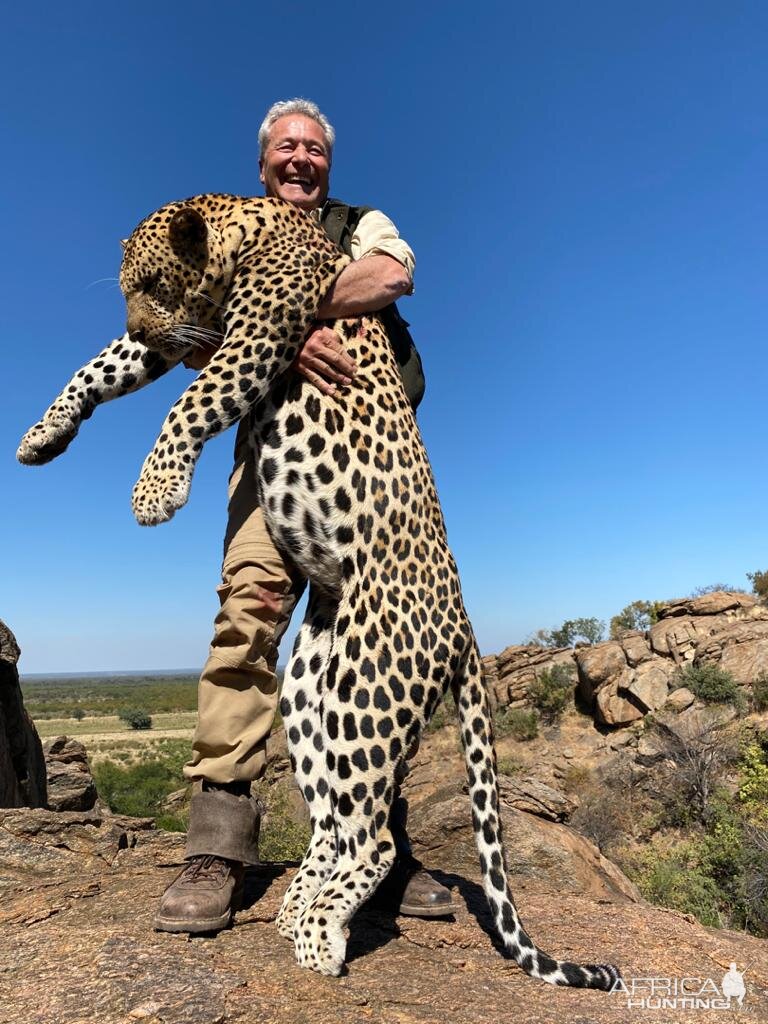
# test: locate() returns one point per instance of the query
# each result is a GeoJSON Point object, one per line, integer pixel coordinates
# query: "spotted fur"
{"type": "Point", "coordinates": [349, 497]}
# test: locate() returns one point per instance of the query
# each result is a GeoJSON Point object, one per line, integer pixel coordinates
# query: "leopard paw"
{"type": "Point", "coordinates": [46, 439]}
{"type": "Point", "coordinates": [159, 492]}
{"type": "Point", "coordinates": [319, 943]}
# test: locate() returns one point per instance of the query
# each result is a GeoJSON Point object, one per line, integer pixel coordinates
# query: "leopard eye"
{"type": "Point", "coordinates": [149, 284]}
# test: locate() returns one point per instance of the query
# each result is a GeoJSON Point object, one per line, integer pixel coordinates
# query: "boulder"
{"type": "Point", "coordinates": [716, 603]}
{"type": "Point", "coordinates": [650, 684]}
{"type": "Point", "coordinates": [536, 797]}
{"type": "Point", "coordinates": [22, 765]}
{"type": "Point", "coordinates": [541, 851]}
{"type": "Point", "coordinates": [509, 674]}
{"type": "Point", "coordinates": [680, 699]}
{"type": "Point", "coordinates": [678, 638]}
{"type": "Point", "coordinates": [740, 648]}
{"type": "Point", "coordinates": [636, 647]}
{"type": "Point", "coordinates": [604, 681]}
{"type": "Point", "coordinates": [70, 783]}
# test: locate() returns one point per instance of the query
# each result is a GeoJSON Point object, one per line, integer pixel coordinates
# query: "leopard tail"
{"type": "Point", "coordinates": [477, 739]}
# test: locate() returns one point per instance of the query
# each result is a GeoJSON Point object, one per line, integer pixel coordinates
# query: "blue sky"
{"type": "Point", "coordinates": [584, 187]}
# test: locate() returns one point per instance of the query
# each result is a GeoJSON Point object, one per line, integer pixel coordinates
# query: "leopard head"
{"type": "Point", "coordinates": [173, 277]}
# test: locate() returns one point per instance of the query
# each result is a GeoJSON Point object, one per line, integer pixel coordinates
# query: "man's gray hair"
{"type": "Point", "coordinates": [295, 106]}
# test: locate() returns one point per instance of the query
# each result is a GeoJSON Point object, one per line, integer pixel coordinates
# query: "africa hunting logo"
{"type": "Point", "coordinates": [684, 993]}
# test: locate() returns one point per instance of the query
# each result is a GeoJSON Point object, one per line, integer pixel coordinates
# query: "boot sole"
{"type": "Point", "coordinates": [413, 910]}
{"type": "Point", "coordinates": [213, 924]}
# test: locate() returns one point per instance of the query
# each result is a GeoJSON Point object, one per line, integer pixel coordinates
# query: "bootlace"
{"type": "Point", "coordinates": [206, 869]}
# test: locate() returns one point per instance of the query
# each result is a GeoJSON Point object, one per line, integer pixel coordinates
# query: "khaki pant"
{"type": "Point", "coordinates": [237, 694]}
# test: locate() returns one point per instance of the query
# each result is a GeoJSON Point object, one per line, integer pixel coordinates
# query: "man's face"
{"type": "Point", "coordinates": [296, 163]}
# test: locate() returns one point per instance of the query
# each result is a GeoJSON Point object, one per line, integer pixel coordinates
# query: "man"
{"type": "Point", "coordinates": [237, 696]}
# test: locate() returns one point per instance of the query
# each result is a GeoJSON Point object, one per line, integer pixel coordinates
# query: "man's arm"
{"type": "Point", "coordinates": [365, 286]}
{"type": "Point", "coordinates": [381, 272]}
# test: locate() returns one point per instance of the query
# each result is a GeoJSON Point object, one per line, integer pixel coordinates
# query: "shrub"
{"type": "Point", "coordinates": [138, 790]}
{"type": "Point", "coordinates": [759, 697]}
{"type": "Point", "coordinates": [673, 879]}
{"type": "Point", "coordinates": [695, 763]}
{"type": "Point", "coordinates": [284, 835]}
{"type": "Point", "coordinates": [753, 785]}
{"type": "Point", "coordinates": [78, 714]}
{"type": "Point", "coordinates": [136, 718]}
{"type": "Point", "coordinates": [710, 683]}
{"type": "Point", "coordinates": [445, 713]}
{"type": "Point", "coordinates": [514, 722]}
{"type": "Point", "coordinates": [552, 691]}
{"type": "Point", "coordinates": [509, 766]}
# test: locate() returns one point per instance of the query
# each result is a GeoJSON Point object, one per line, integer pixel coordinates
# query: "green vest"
{"type": "Point", "coordinates": [339, 222]}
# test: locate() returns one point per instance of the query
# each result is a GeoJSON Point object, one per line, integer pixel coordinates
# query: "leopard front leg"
{"type": "Point", "coordinates": [300, 707]}
{"type": "Point", "coordinates": [164, 483]}
{"type": "Point", "coordinates": [120, 368]}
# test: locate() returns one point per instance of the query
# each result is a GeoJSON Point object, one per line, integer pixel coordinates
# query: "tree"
{"type": "Point", "coordinates": [136, 718]}
{"type": "Point", "coordinates": [759, 581]}
{"type": "Point", "coordinates": [78, 714]}
{"type": "Point", "coordinates": [638, 615]}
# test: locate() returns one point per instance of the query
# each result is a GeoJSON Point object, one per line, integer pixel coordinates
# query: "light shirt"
{"type": "Point", "coordinates": [374, 235]}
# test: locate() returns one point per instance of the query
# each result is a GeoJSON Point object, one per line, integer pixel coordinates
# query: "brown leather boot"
{"type": "Point", "coordinates": [408, 886]}
{"type": "Point", "coordinates": [203, 897]}
{"type": "Point", "coordinates": [418, 893]}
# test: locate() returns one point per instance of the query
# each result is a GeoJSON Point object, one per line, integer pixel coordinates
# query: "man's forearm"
{"type": "Point", "coordinates": [365, 286]}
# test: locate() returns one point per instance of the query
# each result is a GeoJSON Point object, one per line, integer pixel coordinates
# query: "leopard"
{"type": "Point", "coordinates": [349, 497]}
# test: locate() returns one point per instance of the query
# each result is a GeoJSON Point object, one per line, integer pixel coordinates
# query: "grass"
{"type": "Point", "coordinates": [107, 696]}
{"type": "Point", "coordinates": [110, 724]}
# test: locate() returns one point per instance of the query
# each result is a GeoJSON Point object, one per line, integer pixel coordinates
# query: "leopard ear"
{"type": "Point", "coordinates": [123, 244]}
{"type": "Point", "coordinates": [188, 233]}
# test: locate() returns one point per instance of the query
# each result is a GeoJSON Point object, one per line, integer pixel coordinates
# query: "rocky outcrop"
{"type": "Point", "coordinates": [509, 674]}
{"type": "Point", "coordinates": [70, 783]}
{"type": "Point", "coordinates": [80, 893]}
{"type": "Point", "coordinates": [623, 680]}
{"type": "Point", "coordinates": [538, 848]}
{"type": "Point", "coordinates": [22, 766]}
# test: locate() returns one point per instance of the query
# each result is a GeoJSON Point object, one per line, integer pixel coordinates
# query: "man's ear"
{"type": "Point", "coordinates": [261, 172]}
{"type": "Point", "coordinates": [188, 233]}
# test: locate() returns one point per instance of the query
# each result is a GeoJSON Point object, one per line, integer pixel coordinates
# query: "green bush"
{"type": "Point", "coordinates": [552, 691]}
{"type": "Point", "coordinates": [445, 714]}
{"type": "Point", "coordinates": [759, 698]}
{"type": "Point", "coordinates": [710, 683]}
{"type": "Point", "coordinates": [136, 718]}
{"type": "Point", "coordinates": [509, 766]}
{"type": "Point", "coordinates": [78, 714]}
{"type": "Point", "coordinates": [139, 790]}
{"type": "Point", "coordinates": [515, 722]}
{"type": "Point", "coordinates": [673, 880]}
{"type": "Point", "coordinates": [284, 833]}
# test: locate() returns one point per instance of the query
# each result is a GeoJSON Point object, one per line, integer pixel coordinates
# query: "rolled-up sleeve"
{"type": "Point", "coordinates": [376, 234]}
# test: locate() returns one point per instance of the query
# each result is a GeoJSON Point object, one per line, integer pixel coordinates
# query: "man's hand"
{"type": "Point", "coordinates": [323, 361]}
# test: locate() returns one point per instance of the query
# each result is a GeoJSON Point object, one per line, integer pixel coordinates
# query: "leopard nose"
{"type": "Point", "coordinates": [137, 335]}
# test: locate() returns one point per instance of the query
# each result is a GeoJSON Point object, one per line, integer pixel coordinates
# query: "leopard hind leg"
{"type": "Point", "coordinates": [361, 774]}
{"type": "Point", "coordinates": [301, 710]}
